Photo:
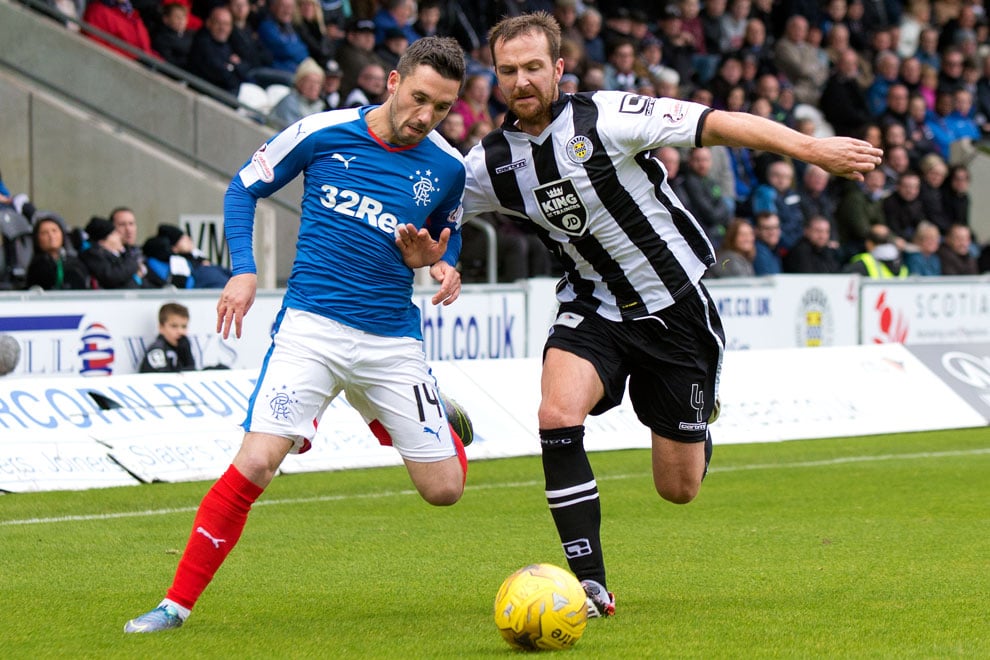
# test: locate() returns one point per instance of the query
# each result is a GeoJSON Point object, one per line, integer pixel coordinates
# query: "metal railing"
{"type": "Point", "coordinates": [491, 238]}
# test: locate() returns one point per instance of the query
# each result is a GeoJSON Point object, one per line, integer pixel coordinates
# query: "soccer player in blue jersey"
{"type": "Point", "coordinates": [382, 195]}
{"type": "Point", "coordinates": [576, 168]}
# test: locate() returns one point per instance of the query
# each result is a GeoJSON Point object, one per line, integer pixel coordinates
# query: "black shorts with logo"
{"type": "Point", "coordinates": [672, 359]}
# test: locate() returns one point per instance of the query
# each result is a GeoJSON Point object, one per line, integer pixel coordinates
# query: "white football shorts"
{"type": "Point", "coordinates": [312, 359]}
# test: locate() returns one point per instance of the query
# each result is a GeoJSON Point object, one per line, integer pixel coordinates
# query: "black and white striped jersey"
{"type": "Point", "coordinates": [598, 200]}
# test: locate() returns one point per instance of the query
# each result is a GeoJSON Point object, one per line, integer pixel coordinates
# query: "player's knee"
{"type": "Point", "coordinates": [260, 456]}
{"type": "Point", "coordinates": [256, 468]}
{"type": "Point", "coordinates": [443, 494]}
{"type": "Point", "coordinates": [553, 416]}
{"type": "Point", "coordinates": [678, 491]}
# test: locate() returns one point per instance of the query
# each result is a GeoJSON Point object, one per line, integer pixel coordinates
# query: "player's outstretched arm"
{"type": "Point", "coordinates": [418, 248]}
{"type": "Point", "coordinates": [235, 301]}
{"type": "Point", "coordinates": [842, 156]}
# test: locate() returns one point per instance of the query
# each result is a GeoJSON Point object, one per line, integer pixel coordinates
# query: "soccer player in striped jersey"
{"type": "Point", "coordinates": [577, 168]}
{"type": "Point", "coordinates": [381, 196]}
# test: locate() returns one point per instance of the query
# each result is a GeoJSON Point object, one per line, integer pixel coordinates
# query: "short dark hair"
{"type": "Point", "coordinates": [173, 6]}
{"type": "Point", "coordinates": [117, 210]}
{"type": "Point", "coordinates": [172, 309]}
{"type": "Point", "coordinates": [515, 26]}
{"type": "Point", "coordinates": [763, 215]}
{"type": "Point", "coordinates": [879, 234]}
{"type": "Point", "coordinates": [443, 54]}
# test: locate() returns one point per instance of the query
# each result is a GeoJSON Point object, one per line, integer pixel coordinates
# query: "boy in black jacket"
{"type": "Point", "coordinates": [171, 351]}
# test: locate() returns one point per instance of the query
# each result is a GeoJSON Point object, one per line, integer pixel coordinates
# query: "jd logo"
{"type": "Point", "coordinates": [562, 206]}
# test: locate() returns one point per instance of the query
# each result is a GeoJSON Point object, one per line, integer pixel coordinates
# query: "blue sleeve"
{"type": "Point", "coordinates": [449, 215]}
{"type": "Point", "coordinates": [238, 226]}
{"type": "Point", "coordinates": [453, 252]}
{"type": "Point", "coordinates": [275, 164]}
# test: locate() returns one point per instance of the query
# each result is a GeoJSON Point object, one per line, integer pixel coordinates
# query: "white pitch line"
{"type": "Point", "coordinates": [493, 486]}
{"type": "Point", "coordinates": [854, 459]}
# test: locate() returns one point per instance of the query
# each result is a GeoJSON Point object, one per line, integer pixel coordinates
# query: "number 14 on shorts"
{"type": "Point", "coordinates": [426, 397]}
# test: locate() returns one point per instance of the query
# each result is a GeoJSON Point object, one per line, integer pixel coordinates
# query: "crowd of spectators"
{"type": "Point", "coordinates": [912, 77]}
{"type": "Point", "coordinates": [103, 254]}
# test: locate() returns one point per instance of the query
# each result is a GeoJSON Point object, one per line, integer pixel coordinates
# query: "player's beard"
{"type": "Point", "coordinates": [536, 109]}
{"type": "Point", "coordinates": [398, 137]}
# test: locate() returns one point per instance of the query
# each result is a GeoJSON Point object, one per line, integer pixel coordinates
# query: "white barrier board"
{"type": "Point", "coordinates": [101, 334]}
{"type": "Point", "coordinates": [175, 427]}
{"type": "Point", "coordinates": [794, 394]}
{"type": "Point", "coordinates": [39, 460]}
{"type": "Point", "coordinates": [152, 451]}
{"type": "Point", "coordinates": [927, 310]}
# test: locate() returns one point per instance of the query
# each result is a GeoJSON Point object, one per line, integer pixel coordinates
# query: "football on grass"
{"type": "Point", "coordinates": [459, 420]}
{"type": "Point", "coordinates": [541, 607]}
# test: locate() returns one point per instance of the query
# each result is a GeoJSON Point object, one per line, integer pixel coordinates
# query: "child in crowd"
{"type": "Point", "coordinates": [171, 351]}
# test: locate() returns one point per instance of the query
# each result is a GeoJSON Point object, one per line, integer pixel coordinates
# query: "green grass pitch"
{"type": "Point", "coordinates": [873, 547]}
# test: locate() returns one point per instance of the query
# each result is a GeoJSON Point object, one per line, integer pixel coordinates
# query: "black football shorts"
{"type": "Point", "coordinates": [672, 360]}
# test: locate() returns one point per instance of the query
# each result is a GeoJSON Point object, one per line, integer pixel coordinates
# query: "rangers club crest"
{"type": "Point", "coordinates": [562, 207]}
{"type": "Point", "coordinates": [423, 187]}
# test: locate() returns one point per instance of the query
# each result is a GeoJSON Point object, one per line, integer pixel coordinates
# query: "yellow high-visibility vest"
{"type": "Point", "coordinates": [877, 269]}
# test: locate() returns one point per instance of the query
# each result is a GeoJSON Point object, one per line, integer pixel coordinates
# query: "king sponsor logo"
{"type": "Point", "coordinates": [562, 207]}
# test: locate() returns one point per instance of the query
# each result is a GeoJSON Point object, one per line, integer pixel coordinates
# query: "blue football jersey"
{"type": "Point", "coordinates": [356, 190]}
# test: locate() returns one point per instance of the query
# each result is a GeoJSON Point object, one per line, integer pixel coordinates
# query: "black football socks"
{"type": "Point", "coordinates": [572, 495]}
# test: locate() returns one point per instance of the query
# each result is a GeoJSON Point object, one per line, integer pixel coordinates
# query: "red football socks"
{"type": "Point", "coordinates": [216, 529]}
{"type": "Point", "coordinates": [461, 454]}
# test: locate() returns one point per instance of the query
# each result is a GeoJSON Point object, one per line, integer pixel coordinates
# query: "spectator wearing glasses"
{"type": "Point", "coordinates": [370, 87]}
{"type": "Point", "coordinates": [950, 73]}
{"type": "Point", "coordinates": [768, 254]}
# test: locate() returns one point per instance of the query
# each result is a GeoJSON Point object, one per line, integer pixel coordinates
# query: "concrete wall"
{"type": "Point", "coordinates": [15, 130]}
{"type": "Point", "coordinates": [979, 191]}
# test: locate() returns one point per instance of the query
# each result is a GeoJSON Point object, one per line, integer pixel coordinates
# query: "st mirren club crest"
{"type": "Point", "coordinates": [815, 319]}
{"type": "Point", "coordinates": [562, 207]}
{"type": "Point", "coordinates": [579, 149]}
